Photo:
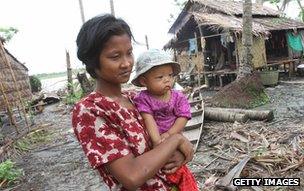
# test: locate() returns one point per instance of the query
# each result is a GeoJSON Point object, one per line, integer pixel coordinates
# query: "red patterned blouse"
{"type": "Point", "coordinates": [108, 131]}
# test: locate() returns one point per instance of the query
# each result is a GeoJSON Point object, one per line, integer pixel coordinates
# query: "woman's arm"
{"type": "Point", "coordinates": [152, 128]}
{"type": "Point", "coordinates": [133, 171]}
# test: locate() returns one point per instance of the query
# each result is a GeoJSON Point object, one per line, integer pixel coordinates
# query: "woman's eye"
{"type": "Point", "coordinates": [159, 77]}
{"type": "Point", "coordinates": [114, 56]}
{"type": "Point", "coordinates": [171, 75]}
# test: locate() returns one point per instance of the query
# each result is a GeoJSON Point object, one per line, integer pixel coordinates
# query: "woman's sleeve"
{"type": "Point", "coordinates": [182, 108]}
{"type": "Point", "coordinates": [100, 141]}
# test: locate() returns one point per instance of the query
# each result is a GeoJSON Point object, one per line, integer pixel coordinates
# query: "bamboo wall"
{"type": "Point", "coordinates": [186, 61]}
{"type": "Point", "coordinates": [7, 81]}
{"type": "Point", "coordinates": [258, 51]}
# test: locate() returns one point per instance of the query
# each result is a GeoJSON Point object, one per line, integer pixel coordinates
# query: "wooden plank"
{"type": "Point", "coordinates": [192, 135]}
{"type": "Point", "coordinates": [194, 126]}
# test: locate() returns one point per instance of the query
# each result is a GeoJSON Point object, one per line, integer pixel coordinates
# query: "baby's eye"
{"type": "Point", "coordinates": [159, 77]}
{"type": "Point", "coordinates": [130, 53]}
{"type": "Point", "coordinates": [171, 75]}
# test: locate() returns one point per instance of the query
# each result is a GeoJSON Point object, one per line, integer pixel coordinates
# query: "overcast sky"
{"type": "Point", "coordinates": [48, 27]}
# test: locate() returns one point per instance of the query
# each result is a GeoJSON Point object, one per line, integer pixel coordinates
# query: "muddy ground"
{"type": "Point", "coordinates": [59, 163]}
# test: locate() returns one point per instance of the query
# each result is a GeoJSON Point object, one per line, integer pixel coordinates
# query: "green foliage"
{"type": "Point", "coordinates": [35, 84]}
{"type": "Point", "coordinates": [301, 15]}
{"type": "Point", "coordinates": [8, 173]}
{"type": "Point", "coordinates": [71, 99]}
{"type": "Point", "coordinates": [8, 33]}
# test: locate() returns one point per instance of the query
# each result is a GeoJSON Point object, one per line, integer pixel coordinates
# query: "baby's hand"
{"type": "Point", "coordinates": [164, 136]}
{"type": "Point", "coordinates": [157, 142]}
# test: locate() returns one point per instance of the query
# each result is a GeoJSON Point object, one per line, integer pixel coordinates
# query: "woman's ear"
{"type": "Point", "coordinates": [142, 81]}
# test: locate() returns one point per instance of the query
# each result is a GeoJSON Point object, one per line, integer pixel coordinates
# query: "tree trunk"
{"type": "Point", "coordinates": [218, 114]}
{"type": "Point", "coordinates": [69, 73]}
{"type": "Point", "coordinates": [259, 115]}
{"type": "Point", "coordinates": [85, 84]}
{"type": "Point", "coordinates": [245, 68]}
{"type": "Point", "coordinates": [240, 115]}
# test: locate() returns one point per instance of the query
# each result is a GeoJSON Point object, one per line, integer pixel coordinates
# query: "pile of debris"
{"type": "Point", "coordinates": [255, 149]}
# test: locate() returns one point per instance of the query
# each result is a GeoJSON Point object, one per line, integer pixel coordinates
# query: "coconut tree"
{"type": "Point", "coordinates": [245, 68]}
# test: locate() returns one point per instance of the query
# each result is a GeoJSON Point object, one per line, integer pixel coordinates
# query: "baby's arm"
{"type": "Point", "coordinates": [152, 128]}
{"type": "Point", "coordinates": [182, 113]}
{"type": "Point", "coordinates": [178, 125]}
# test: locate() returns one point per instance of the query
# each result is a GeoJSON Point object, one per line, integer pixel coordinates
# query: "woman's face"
{"type": "Point", "coordinates": [116, 60]}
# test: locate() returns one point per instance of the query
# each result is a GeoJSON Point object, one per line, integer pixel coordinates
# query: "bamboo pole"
{"type": "Point", "coordinates": [112, 7]}
{"type": "Point", "coordinates": [69, 73]}
{"type": "Point", "coordinates": [15, 83]}
{"type": "Point", "coordinates": [81, 11]}
{"type": "Point", "coordinates": [9, 109]}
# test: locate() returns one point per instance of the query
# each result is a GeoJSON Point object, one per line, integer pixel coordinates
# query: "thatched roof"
{"type": "Point", "coordinates": [236, 8]}
{"type": "Point", "coordinates": [21, 76]}
{"type": "Point", "coordinates": [259, 25]}
{"type": "Point", "coordinates": [224, 7]}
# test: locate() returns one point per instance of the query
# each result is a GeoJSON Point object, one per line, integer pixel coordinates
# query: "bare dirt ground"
{"type": "Point", "coordinates": [59, 163]}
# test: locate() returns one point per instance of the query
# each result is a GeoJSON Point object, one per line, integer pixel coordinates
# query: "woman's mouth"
{"type": "Point", "coordinates": [125, 73]}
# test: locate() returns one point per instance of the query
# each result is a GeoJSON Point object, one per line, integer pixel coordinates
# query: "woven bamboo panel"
{"type": "Point", "coordinates": [258, 51]}
{"type": "Point", "coordinates": [6, 78]}
{"type": "Point", "coordinates": [186, 61]}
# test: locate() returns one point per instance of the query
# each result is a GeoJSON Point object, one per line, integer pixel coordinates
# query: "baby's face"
{"type": "Point", "coordinates": [159, 79]}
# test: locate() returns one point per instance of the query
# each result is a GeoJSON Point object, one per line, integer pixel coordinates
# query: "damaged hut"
{"type": "Point", "coordinates": [14, 84]}
{"type": "Point", "coordinates": [208, 39]}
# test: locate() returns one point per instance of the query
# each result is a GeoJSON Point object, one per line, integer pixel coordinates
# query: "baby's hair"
{"type": "Point", "coordinates": [94, 34]}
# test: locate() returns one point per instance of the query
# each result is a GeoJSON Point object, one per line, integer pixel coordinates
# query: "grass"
{"type": "Point", "coordinates": [9, 174]}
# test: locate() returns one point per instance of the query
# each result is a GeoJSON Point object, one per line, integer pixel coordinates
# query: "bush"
{"type": "Point", "coordinates": [35, 84]}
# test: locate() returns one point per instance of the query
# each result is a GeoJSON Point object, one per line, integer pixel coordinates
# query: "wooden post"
{"type": "Point", "coordinates": [81, 11]}
{"type": "Point", "coordinates": [147, 43]}
{"type": "Point", "coordinates": [237, 52]}
{"type": "Point", "coordinates": [15, 82]}
{"type": "Point", "coordinates": [197, 67]}
{"type": "Point", "coordinates": [69, 73]}
{"type": "Point", "coordinates": [112, 7]}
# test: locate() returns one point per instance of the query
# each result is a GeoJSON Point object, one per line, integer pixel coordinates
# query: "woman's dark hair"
{"type": "Point", "coordinates": [94, 34]}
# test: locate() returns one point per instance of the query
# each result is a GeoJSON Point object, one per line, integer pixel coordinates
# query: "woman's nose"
{"type": "Point", "coordinates": [127, 62]}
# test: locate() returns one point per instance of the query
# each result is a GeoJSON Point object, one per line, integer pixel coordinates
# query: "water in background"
{"type": "Point", "coordinates": [53, 84]}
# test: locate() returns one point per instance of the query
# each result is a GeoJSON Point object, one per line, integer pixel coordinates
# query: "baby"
{"type": "Point", "coordinates": [165, 111]}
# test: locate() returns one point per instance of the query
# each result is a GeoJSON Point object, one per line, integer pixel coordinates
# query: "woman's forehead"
{"type": "Point", "coordinates": [118, 41]}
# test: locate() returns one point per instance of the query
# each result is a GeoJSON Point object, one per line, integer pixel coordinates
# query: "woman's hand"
{"type": "Point", "coordinates": [174, 162]}
{"type": "Point", "coordinates": [187, 149]}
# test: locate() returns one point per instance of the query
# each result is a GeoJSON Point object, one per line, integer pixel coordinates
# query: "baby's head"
{"type": "Point", "coordinates": [155, 70]}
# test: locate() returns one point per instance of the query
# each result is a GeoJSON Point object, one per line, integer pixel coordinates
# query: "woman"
{"type": "Point", "coordinates": [106, 123]}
